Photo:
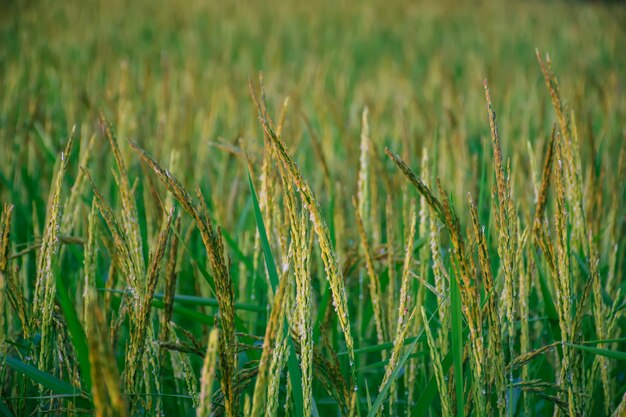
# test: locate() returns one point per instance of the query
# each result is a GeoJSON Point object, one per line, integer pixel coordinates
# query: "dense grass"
{"type": "Point", "coordinates": [296, 209]}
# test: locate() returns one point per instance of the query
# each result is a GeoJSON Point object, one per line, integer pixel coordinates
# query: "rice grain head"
{"type": "Point", "coordinates": [45, 287]}
{"type": "Point", "coordinates": [333, 272]}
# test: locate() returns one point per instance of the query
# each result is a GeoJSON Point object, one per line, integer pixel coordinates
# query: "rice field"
{"type": "Point", "coordinates": [311, 208]}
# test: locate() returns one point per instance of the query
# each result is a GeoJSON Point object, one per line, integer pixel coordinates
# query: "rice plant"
{"type": "Point", "coordinates": [312, 209]}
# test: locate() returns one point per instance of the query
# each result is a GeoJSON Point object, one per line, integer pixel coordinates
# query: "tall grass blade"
{"type": "Point", "coordinates": [611, 354]}
{"type": "Point", "coordinates": [50, 382]}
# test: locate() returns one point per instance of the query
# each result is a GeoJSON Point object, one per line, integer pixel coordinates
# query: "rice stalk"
{"type": "Point", "coordinates": [524, 285]}
{"type": "Point", "coordinates": [494, 359]}
{"type": "Point", "coordinates": [141, 282]}
{"type": "Point", "coordinates": [442, 280]}
{"type": "Point", "coordinates": [188, 375]}
{"type": "Point", "coordinates": [267, 197]}
{"type": "Point", "coordinates": [5, 233]}
{"type": "Point", "coordinates": [9, 278]}
{"type": "Point", "coordinates": [391, 262]}
{"type": "Point", "coordinates": [90, 263]}
{"type": "Point", "coordinates": [424, 264]}
{"type": "Point", "coordinates": [208, 374]}
{"type": "Point", "coordinates": [303, 312]}
{"type": "Point", "coordinates": [373, 281]}
{"type": "Point", "coordinates": [273, 328]}
{"type": "Point", "coordinates": [612, 225]}
{"type": "Point", "coordinates": [223, 283]}
{"type": "Point", "coordinates": [404, 318]}
{"type": "Point", "coordinates": [278, 362]}
{"type": "Point", "coordinates": [542, 197]}
{"type": "Point", "coordinates": [442, 383]}
{"type": "Point", "coordinates": [141, 329]}
{"type": "Point", "coordinates": [462, 269]}
{"type": "Point", "coordinates": [506, 222]}
{"type": "Point", "coordinates": [129, 216]}
{"type": "Point", "coordinates": [570, 155]}
{"type": "Point", "coordinates": [45, 287]}
{"type": "Point", "coordinates": [528, 356]}
{"type": "Point", "coordinates": [363, 208]}
{"type": "Point", "coordinates": [562, 286]}
{"type": "Point", "coordinates": [405, 294]}
{"type": "Point", "coordinates": [120, 244]}
{"type": "Point", "coordinates": [16, 298]}
{"type": "Point", "coordinates": [171, 275]}
{"type": "Point", "coordinates": [569, 166]}
{"type": "Point", "coordinates": [71, 216]}
{"type": "Point", "coordinates": [600, 321]}
{"type": "Point", "coordinates": [132, 302]}
{"type": "Point", "coordinates": [107, 397]}
{"type": "Point", "coordinates": [363, 176]}
{"type": "Point", "coordinates": [333, 272]}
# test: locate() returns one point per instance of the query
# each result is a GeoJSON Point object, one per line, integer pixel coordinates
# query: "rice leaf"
{"type": "Point", "coordinates": [457, 343]}
{"type": "Point", "coordinates": [265, 245]}
{"type": "Point", "coordinates": [612, 354]}
{"type": "Point", "coordinates": [4, 410]}
{"type": "Point", "coordinates": [50, 382]}
{"type": "Point", "coordinates": [428, 394]}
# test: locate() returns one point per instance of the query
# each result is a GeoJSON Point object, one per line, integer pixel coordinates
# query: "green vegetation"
{"type": "Point", "coordinates": [284, 208]}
